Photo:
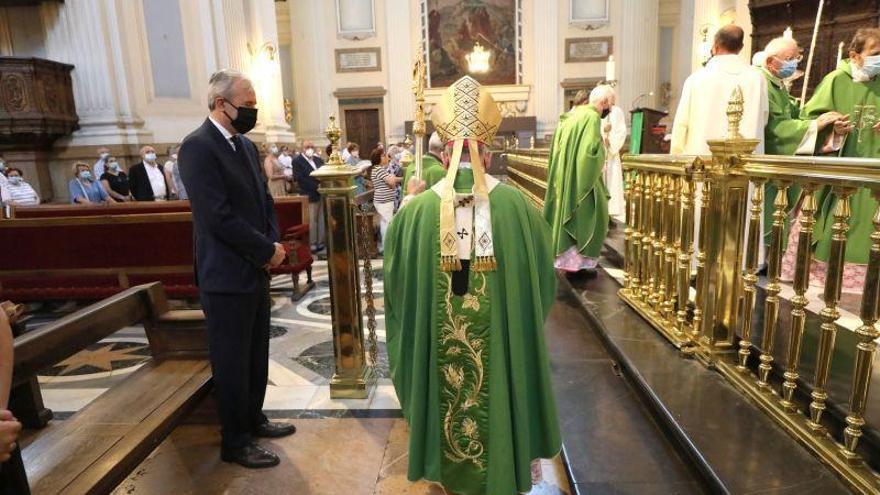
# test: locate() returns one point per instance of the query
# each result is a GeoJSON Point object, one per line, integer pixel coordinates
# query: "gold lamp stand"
{"type": "Point", "coordinates": [353, 378]}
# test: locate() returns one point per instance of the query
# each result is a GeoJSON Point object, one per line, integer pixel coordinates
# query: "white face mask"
{"type": "Point", "coordinates": [15, 180]}
{"type": "Point", "coordinates": [356, 154]}
{"type": "Point", "coordinates": [174, 157]}
{"type": "Point", "coordinates": [274, 150]}
{"type": "Point", "coordinates": [150, 157]}
{"type": "Point", "coordinates": [104, 156]}
{"type": "Point", "coordinates": [310, 152]}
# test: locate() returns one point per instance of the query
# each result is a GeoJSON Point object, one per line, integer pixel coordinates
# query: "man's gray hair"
{"type": "Point", "coordinates": [777, 46]}
{"type": "Point", "coordinates": [602, 92]}
{"type": "Point", "coordinates": [435, 144]}
{"type": "Point", "coordinates": [221, 83]}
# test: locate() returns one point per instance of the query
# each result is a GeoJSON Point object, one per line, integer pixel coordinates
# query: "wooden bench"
{"type": "Point", "coordinates": [90, 252]}
{"type": "Point", "coordinates": [94, 450]}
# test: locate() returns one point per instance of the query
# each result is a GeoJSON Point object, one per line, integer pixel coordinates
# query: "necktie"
{"type": "Point", "coordinates": [236, 141]}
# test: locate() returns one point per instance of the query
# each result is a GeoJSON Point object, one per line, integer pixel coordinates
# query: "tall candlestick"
{"type": "Point", "coordinates": [609, 69]}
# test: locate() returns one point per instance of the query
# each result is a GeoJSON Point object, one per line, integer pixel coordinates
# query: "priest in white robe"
{"type": "Point", "coordinates": [702, 110]}
{"type": "Point", "coordinates": [614, 135]}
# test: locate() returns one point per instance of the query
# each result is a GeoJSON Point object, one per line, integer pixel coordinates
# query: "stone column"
{"type": "Point", "coordinates": [546, 48]}
{"type": "Point", "coordinates": [266, 72]}
{"type": "Point", "coordinates": [399, 59]}
{"type": "Point", "coordinates": [312, 27]}
{"type": "Point", "coordinates": [88, 34]}
{"type": "Point", "coordinates": [638, 54]}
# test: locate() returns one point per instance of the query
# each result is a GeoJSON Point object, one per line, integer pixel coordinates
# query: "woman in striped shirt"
{"type": "Point", "coordinates": [384, 190]}
{"type": "Point", "coordinates": [19, 192]}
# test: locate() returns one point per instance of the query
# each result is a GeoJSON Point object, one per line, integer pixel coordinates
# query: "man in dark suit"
{"type": "Point", "coordinates": [147, 178]}
{"type": "Point", "coordinates": [303, 165]}
{"type": "Point", "coordinates": [236, 242]}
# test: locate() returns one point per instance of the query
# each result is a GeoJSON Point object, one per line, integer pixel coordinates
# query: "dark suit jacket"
{"type": "Point", "coordinates": [233, 214]}
{"type": "Point", "coordinates": [139, 182]}
{"type": "Point", "coordinates": [308, 185]}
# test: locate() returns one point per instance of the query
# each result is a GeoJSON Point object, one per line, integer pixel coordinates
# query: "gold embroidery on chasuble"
{"type": "Point", "coordinates": [463, 358]}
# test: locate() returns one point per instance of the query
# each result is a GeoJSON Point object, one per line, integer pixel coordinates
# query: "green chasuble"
{"type": "Point", "coordinates": [839, 92]}
{"type": "Point", "coordinates": [576, 203]}
{"type": "Point", "coordinates": [432, 171]}
{"type": "Point", "coordinates": [784, 133]}
{"type": "Point", "coordinates": [471, 370]}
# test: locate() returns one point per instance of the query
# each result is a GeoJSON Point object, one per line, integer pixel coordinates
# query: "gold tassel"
{"type": "Point", "coordinates": [485, 264]}
{"type": "Point", "coordinates": [450, 263]}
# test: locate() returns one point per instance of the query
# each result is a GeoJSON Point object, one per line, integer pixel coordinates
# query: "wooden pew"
{"type": "Point", "coordinates": [90, 252]}
{"type": "Point", "coordinates": [96, 448]}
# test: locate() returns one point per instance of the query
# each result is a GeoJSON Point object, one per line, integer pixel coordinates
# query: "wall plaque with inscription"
{"type": "Point", "coordinates": [359, 59]}
{"type": "Point", "coordinates": [595, 49]}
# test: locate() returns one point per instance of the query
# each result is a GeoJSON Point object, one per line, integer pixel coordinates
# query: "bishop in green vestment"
{"type": "Point", "coordinates": [852, 89]}
{"type": "Point", "coordinates": [432, 165]}
{"type": "Point", "coordinates": [786, 133]}
{"type": "Point", "coordinates": [468, 284]}
{"type": "Point", "coordinates": [576, 202]}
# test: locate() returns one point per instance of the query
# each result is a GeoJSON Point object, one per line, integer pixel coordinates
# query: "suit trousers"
{"type": "Point", "coordinates": [238, 342]}
{"type": "Point", "coordinates": [316, 223]}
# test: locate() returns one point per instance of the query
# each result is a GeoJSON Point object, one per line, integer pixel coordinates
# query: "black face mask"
{"type": "Point", "coordinates": [606, 112]}
{"type": "Point", "coordinates": [245, 120]}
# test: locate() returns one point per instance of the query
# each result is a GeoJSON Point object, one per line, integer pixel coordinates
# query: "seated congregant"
{"type": "Point", "coordinates": [19, 192]}
{"type": "Point", "coordinates": [115, 181]}
{"type": "Point", "coordinates": [84, 188]}
{"type": "Point", "coordinates": [147, 178]}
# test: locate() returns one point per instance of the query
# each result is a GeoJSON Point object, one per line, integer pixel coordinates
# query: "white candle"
{"type": "Point", "coordinates": [609, 69]}
{"type": "Point", "coordinates": [840, 52]}
{"type": "Point", "coordinates": [788, 34]}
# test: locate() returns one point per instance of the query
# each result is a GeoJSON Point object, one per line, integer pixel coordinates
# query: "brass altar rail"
{"type": "Point", "coordinates": [703, 214]}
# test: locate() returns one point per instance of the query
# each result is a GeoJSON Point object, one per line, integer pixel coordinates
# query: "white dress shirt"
{"type": "Point", "coordinates": [226, 134]}
{"type": "Point", "coordinates": [157, 181]}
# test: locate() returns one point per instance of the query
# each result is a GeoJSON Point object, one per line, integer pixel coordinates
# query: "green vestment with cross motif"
{"type": "Point", "coordinates": [471, 370]}
{"type": "Point", "coordinates": [860, 100]}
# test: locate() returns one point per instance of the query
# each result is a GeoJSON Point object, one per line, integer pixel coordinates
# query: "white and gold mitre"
{"type": "Point", "coordinates": [466, 111]}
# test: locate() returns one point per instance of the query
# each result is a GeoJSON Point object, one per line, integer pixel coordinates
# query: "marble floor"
{"type": "Point", "coordinates": [300, 365]}
{"type": "Point", "coordinates": [329, 456]}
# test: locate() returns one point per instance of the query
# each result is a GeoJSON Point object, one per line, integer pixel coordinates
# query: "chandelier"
{"type": "Point", "coordinates": [478, 59]}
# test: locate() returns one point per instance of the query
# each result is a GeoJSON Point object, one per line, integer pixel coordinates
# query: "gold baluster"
{"type": "Point", "coordinates": [750, 276]}
{"type": "Point", "coordinates": [771, 303]}
{"type": "Point", "coordinates": [636, 241]}
{"type": "Point", "coordinates": [867, 334]}
{"type": "Point", "coordinates": [685, 253]}
{"type": "Point", "coordinates": [702, 281]}
{"type": "Point", "coordinates": [799, 301]}
{"type": "Point", "coordinates": [672, 221]}
{"type": "Point", "coordinates": [830, 313]}
{"type": "Point", "coordinates": [627, 231]}
{"type": "Point", "coordinates": [659, 243]}
{"type": "Point", "coordinates": [648, 240]}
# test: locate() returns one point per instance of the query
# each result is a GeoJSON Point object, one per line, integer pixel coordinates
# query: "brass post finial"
{"type": "Point", "coordinates": [333, 133]}
{"type": "Point", "coordinates": [532, 142]}
{"type": "Point", "coordinates": [734, 114]}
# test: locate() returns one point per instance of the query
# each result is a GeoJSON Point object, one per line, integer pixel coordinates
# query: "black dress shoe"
{"type": "Point", "coordinates": [250, 456]}
{"type": "Point", "coordinates": [274, 430]}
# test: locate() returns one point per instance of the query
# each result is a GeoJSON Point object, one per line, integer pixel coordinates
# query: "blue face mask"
{"type": "Point", "coordinates": [871, 65]}
{"type": "Point", "coordinates": [85, 175]}
{"type": "Point", "coordinates": [787, 69]}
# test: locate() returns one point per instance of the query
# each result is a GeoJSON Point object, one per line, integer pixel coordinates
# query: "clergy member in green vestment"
{"type": "Point", "coordinates": [432, 164]}
{"type": "Point", "coordinates": [469, 282]}
{"type": "Point", "coordinates": [576, 202]}
{"type": "Point", "coordinates": [853, 89]}
{"type": "Point", "coordinates": [786, 133]}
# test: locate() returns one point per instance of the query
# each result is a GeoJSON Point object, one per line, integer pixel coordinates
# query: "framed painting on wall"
{"type": "Point", "coordinates": [454, 27]}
